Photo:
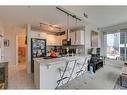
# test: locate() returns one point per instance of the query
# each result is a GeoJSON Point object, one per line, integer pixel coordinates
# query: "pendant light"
{"type": "Point", "coordinates": [68, 30]}
{"type": "Point", "coordinates": [75, 32]}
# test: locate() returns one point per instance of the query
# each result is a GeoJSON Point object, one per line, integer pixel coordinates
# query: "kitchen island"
{"type": "Point", "coordinates": [46, 73]}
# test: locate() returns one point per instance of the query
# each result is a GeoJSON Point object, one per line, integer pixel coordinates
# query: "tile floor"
{"type": "Point", "coordinates": [104, 78]}
{"type": "Point", "coordinates": [19, 79]}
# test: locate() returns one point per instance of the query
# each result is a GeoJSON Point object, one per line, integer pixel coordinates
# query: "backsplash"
{"type": "Point", "coordinates": [75, 49]}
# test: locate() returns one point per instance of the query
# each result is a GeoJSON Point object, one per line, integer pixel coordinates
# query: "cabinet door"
{"type": "Point", "coordinates": [72, 36]}
{"type": "Point", "coordinates": [51, 39]}
{"type": "Point", "coordinates": [54, 40]}
{"type": "Point", "coordinates": [58, 40]}
{"type": "Point", "coordinates": [80, 40]}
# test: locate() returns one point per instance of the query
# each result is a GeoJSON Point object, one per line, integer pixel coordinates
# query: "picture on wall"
{"type": "Point", "coordinates": [6, 42]}
{"type": "Point", "coordinates": [94, 39]}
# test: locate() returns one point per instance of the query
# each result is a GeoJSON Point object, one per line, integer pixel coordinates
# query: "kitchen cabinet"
{"type": "Point", "coordinates": [39, 35]}
{"type": "Point", "coordinates": [77, 37]}
{"type": "Point", "coordinates": [72, 36]}
{"type": "Point", "coordinates": [51, 39]}
{"type": "Point", "coordinates": [54, 40]}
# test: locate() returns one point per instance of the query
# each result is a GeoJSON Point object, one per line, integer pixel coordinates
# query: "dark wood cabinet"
{"type": "Point", "coordinates": [3, 75]}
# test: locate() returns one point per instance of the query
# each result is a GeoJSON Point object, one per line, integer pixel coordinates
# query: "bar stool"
{"type": "Point", "coordinates": [69, 67]}
{"type": "Point", "coordinates": [83, 66]}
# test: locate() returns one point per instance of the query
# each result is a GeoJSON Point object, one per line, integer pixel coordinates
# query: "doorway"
{"type": "Point", "coordinates": [21, 49]}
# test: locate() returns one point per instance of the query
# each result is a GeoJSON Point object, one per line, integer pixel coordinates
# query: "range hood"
{"type": "Point", "coordinates": [67, 41]}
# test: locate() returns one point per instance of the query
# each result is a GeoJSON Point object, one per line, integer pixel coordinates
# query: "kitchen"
{"type": "Point", "coordinates": [54, 40]}
{"type": "Point", "coordinates": [57, 54]}
{"type": "Point", "coordinates": [63, 47]}
{"type": "Point", "coordinates": [59, 47]}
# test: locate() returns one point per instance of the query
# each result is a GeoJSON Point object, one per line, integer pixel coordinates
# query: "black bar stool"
{"type": "Point", "coordinates": [69, 67]}
{"type": "Point", "coordinates": [83, 66]}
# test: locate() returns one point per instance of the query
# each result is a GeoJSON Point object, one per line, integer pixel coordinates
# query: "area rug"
{"type": "Point", "coordinates": [117, 84]}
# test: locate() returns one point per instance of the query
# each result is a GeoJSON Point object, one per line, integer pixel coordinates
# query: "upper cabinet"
{"type": "Point", "coordinates": [54, 40]}
{"type": "Point", "coordinates": [77, 37]}
{"type": "Point", "coordinates": [39, 35]}
{"type": "Point", "coordinates": [51, 39]}
{"type": "Point", "coordinates": [72, 36]}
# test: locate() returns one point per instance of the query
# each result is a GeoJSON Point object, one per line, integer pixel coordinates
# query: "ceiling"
{"type": "Point", "coordinates": [35, 15]}
{"type": "Point", "coordinates": [102, 16]}
{"type": "Point", "coordinates": [99, 16]}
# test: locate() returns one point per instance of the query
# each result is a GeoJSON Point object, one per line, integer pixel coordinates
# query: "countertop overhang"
{"type": "Point", "coordinates": [58, 60]}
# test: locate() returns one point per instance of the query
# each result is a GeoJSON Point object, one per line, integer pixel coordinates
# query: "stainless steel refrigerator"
{"type": "Point", "coordinates": [38, 49]}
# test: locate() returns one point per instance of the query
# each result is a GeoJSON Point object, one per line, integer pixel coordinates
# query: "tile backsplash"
{"type": "Point", "coordinates": [79, 49]}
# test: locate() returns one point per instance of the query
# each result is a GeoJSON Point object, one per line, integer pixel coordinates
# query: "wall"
{"type": "Point", "coordinates": [32, 34]}
{"type": "Point", "coordinates": [88, 29]}
{"type": "Point", "coordinates": [10, 33]}
{"type": "Point", "coordinates": [1, 42]}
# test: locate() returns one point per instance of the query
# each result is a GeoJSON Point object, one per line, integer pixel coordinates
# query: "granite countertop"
{"type": "Point", "coordinates": [58, 60]}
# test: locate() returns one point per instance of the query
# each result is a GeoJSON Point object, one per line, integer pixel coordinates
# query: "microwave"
{"type": "Point", "coordinates": [66, 43]}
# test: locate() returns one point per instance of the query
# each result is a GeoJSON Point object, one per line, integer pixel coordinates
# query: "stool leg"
{"type": "Point", "coordinates": [120, 80]}
{"type": "Point", "coordinates": [62, 75]}
{"type": "Point", "coordinates": [72, 72]}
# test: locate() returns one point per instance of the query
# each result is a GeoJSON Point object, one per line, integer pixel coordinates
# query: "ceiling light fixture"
{"type": "Point", "coordinates": [68, 15]}
{"type": "Point", "coordinates": [49, 25]}
{"type": "Point", "coordinates": [68, 28]}
{"type": "Point", "coordinates": [73, 16]}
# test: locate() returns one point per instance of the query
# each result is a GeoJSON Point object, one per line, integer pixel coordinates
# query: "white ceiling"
{"type": "Point", "coordinates": [102, 16]}
{"type": "Point", "coordinates": [99, 16]}
{"type": "Point", "coordinates": [36, 14]}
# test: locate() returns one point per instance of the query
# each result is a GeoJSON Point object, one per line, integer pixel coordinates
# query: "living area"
{"type": "Point", "coordinates": [104, 45]}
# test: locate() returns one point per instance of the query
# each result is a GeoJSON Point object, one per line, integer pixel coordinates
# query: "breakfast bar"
{"type": "Point", "coordinates": [46, 73]}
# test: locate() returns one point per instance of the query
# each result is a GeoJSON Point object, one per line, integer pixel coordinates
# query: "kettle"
{"type": "Point", "coordinates": [53, 54]}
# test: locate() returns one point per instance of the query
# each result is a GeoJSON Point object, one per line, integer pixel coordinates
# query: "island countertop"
{"type": "Point", "coordinates": [46, 71]}
{"type": "Point", "coordinates": [54, 61]}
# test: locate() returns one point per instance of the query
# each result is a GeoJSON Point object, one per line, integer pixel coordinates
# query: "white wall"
{"type": "Point", "coordinates": [32, 34]}
{"type": "Point", "coordinates": [10, 33]}
{"type": "Point", "coordinates": [88, 29]}
{"type": "Point", "coordinates": [1, 42]}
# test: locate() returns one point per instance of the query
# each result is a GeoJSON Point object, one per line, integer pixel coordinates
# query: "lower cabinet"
{"type": "Point", "coordinates": [3, 75]}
